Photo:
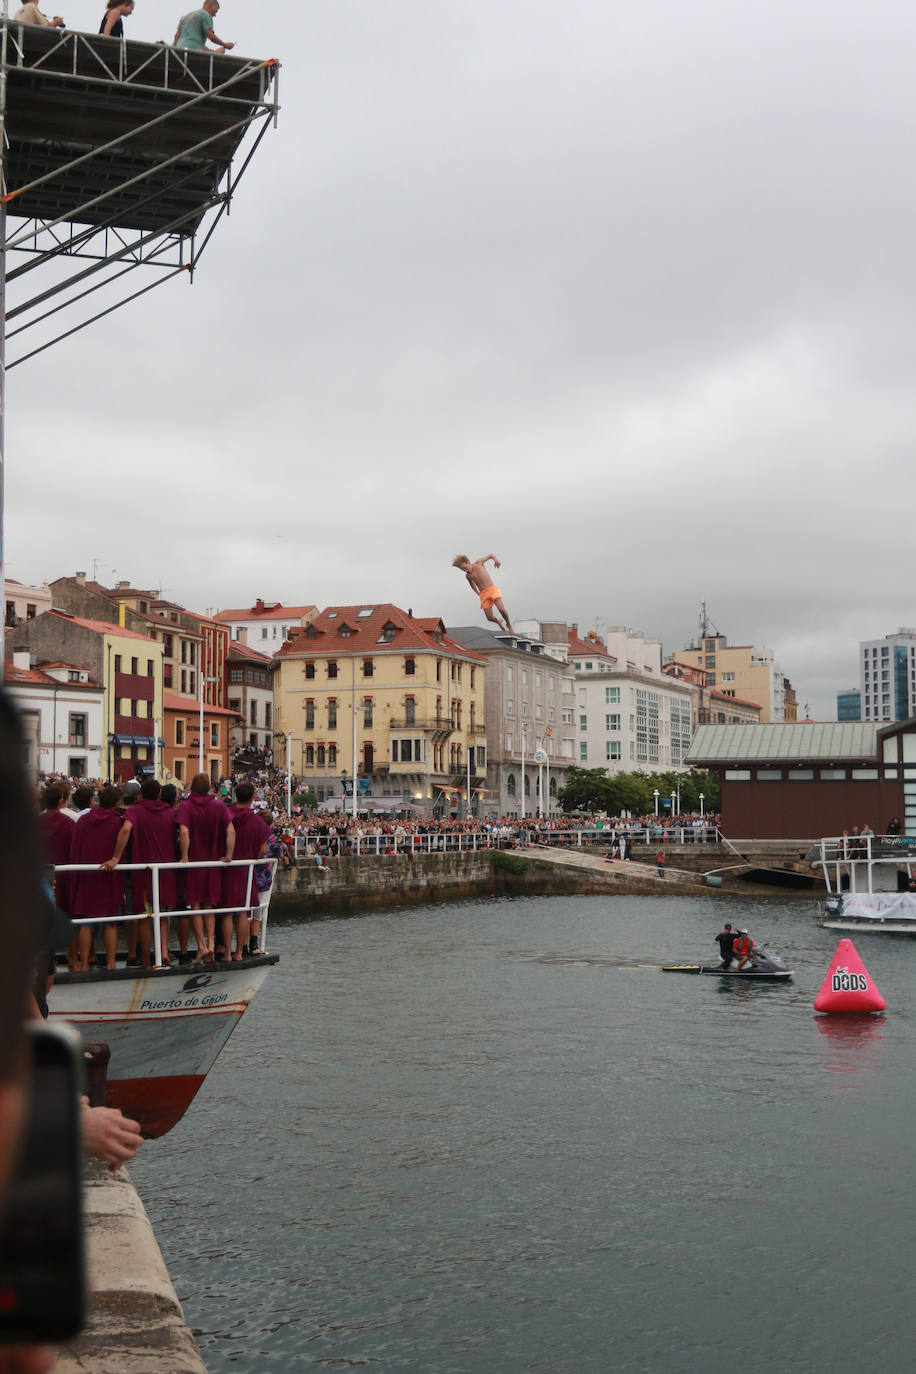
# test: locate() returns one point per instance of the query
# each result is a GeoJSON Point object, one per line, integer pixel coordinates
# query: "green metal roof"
{"type": "Point", "coordinates": [795, 743]}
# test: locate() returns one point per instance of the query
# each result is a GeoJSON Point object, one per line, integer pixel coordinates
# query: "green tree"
{"type": "Point", "coordinates": [587, 789]}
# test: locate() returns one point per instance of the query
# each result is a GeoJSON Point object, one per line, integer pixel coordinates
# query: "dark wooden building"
{"type": "Point", "coordinates": [807, 780]}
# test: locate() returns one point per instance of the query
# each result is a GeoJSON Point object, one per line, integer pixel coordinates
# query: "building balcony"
{"type": "Point", "coordinates": [134, 686]}
{"type": "Point", "coordinates": [134, 725]}
{"type": "Point", "coordinates": [434, 724]}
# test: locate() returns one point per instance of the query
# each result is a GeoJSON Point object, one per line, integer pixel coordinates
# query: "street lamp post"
{"type": "Point", "coordinates": [524, 737]}
{"type": "Point", "coordinates": [702, 800]}
{"type": "Point", "coordinates": [655, 795]}
{"type": "Point", "coordinates": [200, 701]}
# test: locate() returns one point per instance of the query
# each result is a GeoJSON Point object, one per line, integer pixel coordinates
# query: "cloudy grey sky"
{"type": "Point", "coordinates": [622, 293]}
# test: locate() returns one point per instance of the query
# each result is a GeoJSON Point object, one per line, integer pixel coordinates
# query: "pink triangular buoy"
{"type": "Point", "coordinates": [848, 986]}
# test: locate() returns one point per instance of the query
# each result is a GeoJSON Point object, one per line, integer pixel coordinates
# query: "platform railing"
{"type": "Point", "coordinates": [157, 914]}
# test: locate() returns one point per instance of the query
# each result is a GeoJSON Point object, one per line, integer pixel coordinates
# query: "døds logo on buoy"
{"type": "Point", "coordinates": [844, 981]}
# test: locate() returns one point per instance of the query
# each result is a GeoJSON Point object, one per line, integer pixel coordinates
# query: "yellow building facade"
{"type": "Point", "coordinates": [374, 692]}
{"type": "Point", "coordinates": [745, 672]}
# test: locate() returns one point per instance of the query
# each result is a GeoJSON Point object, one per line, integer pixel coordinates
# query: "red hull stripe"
{"type": "Point", "coordinates": [235, 1008]}
{"type": "Point", "coordinates": [157, 1103]}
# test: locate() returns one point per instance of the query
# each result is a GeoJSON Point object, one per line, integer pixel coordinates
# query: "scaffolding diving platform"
{"type": "Point", "coordinates": [116, 155]}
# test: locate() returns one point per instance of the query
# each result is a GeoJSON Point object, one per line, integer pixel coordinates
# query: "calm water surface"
{"type": "Point", "coordinates": [491, 1137]}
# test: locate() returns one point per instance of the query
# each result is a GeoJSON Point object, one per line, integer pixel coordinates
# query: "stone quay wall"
{"type": "Point", "coordinates": [396, 880]}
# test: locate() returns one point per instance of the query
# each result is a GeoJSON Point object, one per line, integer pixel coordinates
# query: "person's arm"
{"type": "Point", "coordinates": [220, 43]}
{"type": "Point", "coordinates": [230, 843]}
{"type": "Point", "coordinates": [490, 558]}
{"type": "Point", "coordinates": [120, 846]}
{"type": "Point", "coordinates": [184, 843]}
{"type": "Point", "coordinates": [110, 22]}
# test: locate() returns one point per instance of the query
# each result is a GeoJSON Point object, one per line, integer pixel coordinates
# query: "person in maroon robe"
{"type": "Point", "coordinates": [251, 834]}
{"type": "Point", "coordinates": [150, 825]}
{"type": "Point", "coordinates": [58, 827]}
{"type": "Point", "coordinates": [205, 832]}
{"type": "Point", "coordinates": [99, 893]}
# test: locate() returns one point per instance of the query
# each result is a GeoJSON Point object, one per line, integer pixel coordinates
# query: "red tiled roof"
{"type": "Point", "coordinates": [239, 650]}
{"type": "Point", "coordinates": [271, 610]}
{"type": "Point", "coordinates": [39, 674]}
{"type": "Point", "coordinates": [736, 701]}
{"type": "Point", "coordinates": [366, 624]}
{"type": "Point", "coordinates": [190, 704]}
{"type": "Point", "coordinates": [101, 627]}
{"type": "Point", "coordinates": [577, 645]}
{"type": "Point", "coordinates": [13, 674]}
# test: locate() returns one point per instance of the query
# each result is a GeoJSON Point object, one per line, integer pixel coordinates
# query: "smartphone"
{"type": "Point", "coordinates": [42, 1236]}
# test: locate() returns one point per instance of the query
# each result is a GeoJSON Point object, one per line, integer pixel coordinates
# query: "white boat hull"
{"type": "Point", "coordinates": [164, 1029]}
{"type": "Point", "coordinates": [887, 913]}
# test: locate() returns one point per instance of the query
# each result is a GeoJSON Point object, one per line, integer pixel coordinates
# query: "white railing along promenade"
{"type": "Point", "coordinates": [154, 869]}
{"type": "Point", "coordinates": [316, 847]}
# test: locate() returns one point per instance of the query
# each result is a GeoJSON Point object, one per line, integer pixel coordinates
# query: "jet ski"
{"type": "Point", "coordinates": [767, 966]}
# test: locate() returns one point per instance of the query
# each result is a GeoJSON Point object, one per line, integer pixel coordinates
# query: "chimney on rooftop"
{"type": "Point", "coordinates": [259, 605]}
{"type": "Point", "coordinates": [22, 659]}
{"type": "Point", "coordinates": [80, 577]}
{"type": "Point", "coordinates": [121, 586]}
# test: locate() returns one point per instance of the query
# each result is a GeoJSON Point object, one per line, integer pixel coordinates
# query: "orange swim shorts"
{"type": "Point", "coordinates": [488, 597]}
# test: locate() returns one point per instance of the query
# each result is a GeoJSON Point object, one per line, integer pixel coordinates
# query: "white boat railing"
{"type": "Point", "coordinates": [179, 866]}
{"type": "Point", "coordinates": [862, 858]}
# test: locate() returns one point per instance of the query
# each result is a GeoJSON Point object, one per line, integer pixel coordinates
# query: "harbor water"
{"type": "Point", "coordinates": [492, 1136]}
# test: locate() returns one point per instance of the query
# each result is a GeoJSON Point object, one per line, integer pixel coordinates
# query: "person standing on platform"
{"type": "Point", "coordinates": [195, 29]}
{"type": "Point", "coordinates": [205, 832]}
{"type": "Point", "coordinates": [116, 11]}
{"type": "Point", "coordinates": [98, 894]}
{"type": "Point", "coordinates": [251, 834]}
{"type": "Point", "coordinates": [31, 14]}
{"type": "Point", "coordinates": [150, 826]}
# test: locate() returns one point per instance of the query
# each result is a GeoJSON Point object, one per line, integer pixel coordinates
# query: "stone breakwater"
{"type": "Point", "coordinates": [136, 1324]}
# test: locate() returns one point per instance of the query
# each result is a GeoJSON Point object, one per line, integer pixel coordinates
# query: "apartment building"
{"type": "Point", "coordinates": [62, 711]}
{"type": "Point", "coordinates": [127, 664]}
{"type": "Point", "coordinates": [265, 625]}
{"type": "Point", "coordinates": [251, 699]}
{"type": "Point", "coordinates": [887, 676]}
{"type": "Point", "coordinates": [745, 672]}
{"type": "Point", "coordinates": [372, 692]}
{"type": "Point", "coordinates": [529, 703]}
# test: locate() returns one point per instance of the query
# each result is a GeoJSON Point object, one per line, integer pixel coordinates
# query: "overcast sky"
{"type": "Point", "coordinates": [622, 293]}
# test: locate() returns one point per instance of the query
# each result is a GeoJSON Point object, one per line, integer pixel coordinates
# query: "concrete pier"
{"type": "Point", "coordinates": [136, 1325]}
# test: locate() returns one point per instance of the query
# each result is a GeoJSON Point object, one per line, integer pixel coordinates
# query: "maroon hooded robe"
{"type": "Point", "coordinates": [154, 839]}
{"type": "Point", "coordinates": [94, 839]}
{"type": "Point", "coordinates": [250, 834]}
{"type": "Point", "coordinates": [207, 819]}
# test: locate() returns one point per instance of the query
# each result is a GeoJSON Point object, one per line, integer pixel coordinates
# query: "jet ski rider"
{"type": "Point", "coordinates": [744, 949]}
{"type": "Point", "coordinates": [726, 942]}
